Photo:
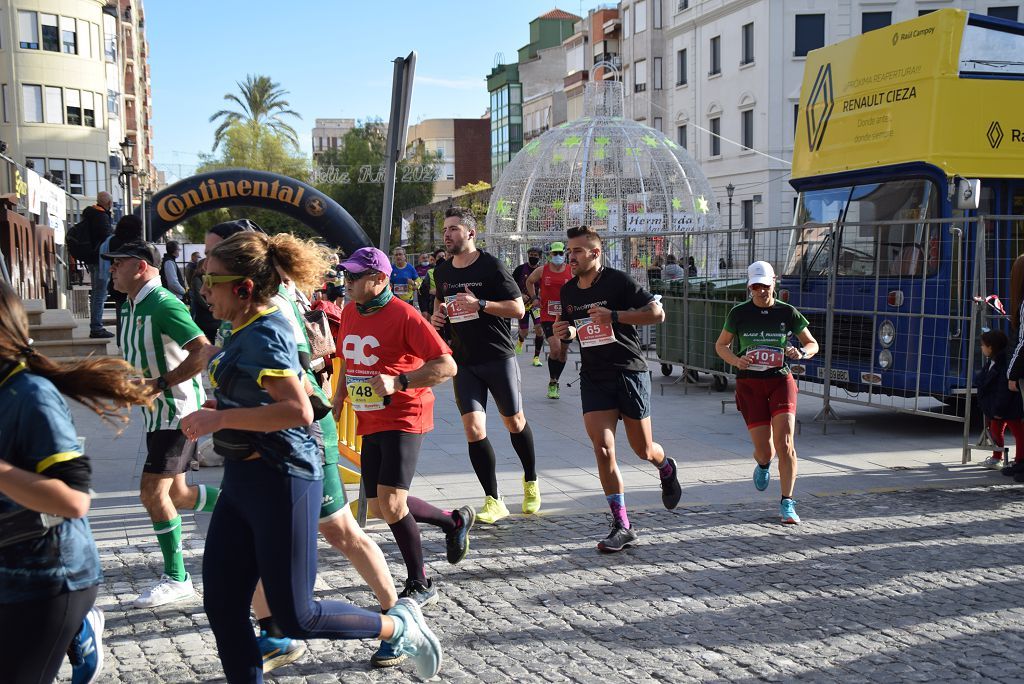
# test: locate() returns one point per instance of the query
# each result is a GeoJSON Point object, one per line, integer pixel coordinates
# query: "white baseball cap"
{"type": "Point", "coordinates": [760, 273]}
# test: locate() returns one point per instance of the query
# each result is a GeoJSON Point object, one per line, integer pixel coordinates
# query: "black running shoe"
{"type": "Point", "coordinates": [1011, 470]}
{"type": "Point", "coordinates": [423, 594]}
{"type": "Point", "coordinates": [671, 492]}
{"type": "Point", "coordinates": [618, 539]}
{"type": "Point", "coordinates": [456, 542]}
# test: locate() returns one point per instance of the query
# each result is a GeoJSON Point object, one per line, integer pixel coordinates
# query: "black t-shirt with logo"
{"type": "Point", "coordinates": [761, 333]}
{"type": "Point", "coordinates": [609, 355]}
{"type": "Point", "coordinates": [486, 337]}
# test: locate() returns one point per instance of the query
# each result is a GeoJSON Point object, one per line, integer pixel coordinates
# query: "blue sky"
{"type": "Point", "coordinates": [333, 56]}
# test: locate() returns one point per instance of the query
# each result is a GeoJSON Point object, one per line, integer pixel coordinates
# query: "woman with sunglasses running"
{"type": "Point", "coordinates": [765, 389]}
{"type": "Point", "coordinates": [265, 523]}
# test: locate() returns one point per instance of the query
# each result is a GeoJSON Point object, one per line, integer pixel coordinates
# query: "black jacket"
{"type": "Point", "coordinates": [994, 396]}
{"type": "Point", "coordinates": [100, 227]}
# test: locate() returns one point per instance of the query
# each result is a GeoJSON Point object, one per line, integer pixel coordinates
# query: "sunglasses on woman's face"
{"type": "Point", "coordinates": [210, 280]}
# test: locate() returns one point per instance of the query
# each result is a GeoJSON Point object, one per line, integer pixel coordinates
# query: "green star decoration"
{"type": "Point", "coordinates": [558, 204]}
{"type": "Point", "coordinates": [535, 213]}
{"type": "Point", "coordinates": [677, 204]}
{"type": "Point", "coordinates": [632, 152]}
{"type": "Point", "coordinates": [532, 147]}
{"type": "Point", "coordinates": [599, 154]}
{"type": "Point", "coordinates": [701, 204]}
{"type": "Point", "coordinates": [557, 157]}
{"type": "Point", "coordinates": [572, 141]}
{"type": "Point", "coordinates": [650, 140]}
{"type": "Point", "coordinates": [503, 208]}
{"type": "Point", "coordinates": [602, 140]}
{"type": "Point", "coordinates": [600, 207]}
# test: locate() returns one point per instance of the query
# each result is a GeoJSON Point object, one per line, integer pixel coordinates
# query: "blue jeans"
{"type": "Point", "coordinates": [265, 526]}
{"type": "Point", "coordinates": [97, 298]}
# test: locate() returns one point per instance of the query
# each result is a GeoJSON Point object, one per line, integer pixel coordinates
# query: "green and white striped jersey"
{"type": "Point", "coordinates": [155, 328]}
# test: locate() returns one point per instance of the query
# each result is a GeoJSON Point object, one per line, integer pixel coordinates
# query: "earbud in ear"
{"type": "Point", "coordinates": [243, 291]}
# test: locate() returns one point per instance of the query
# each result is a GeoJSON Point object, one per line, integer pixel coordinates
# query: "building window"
{"type": "Point", "coordinates": [1008, 13]}
{"type": "Point", "coordinates": [101, 184]}
{"type": "Point", "coordinates": [796, 118]}
{"type": "Point", "coordinates": [76, 177]}
{"type": "Point", "coordinates": [88, 109]}
{"type": "Point", "coordinates": [921, 13]}
{"type": "Point", "coordinates": [657, 73]}
{"type": "Point", "coordinates": [658, 122]}
{"type": "Point", "coordinates": [7, 104]}
{"type": "Point", "coordinates": [682, 4]}
{"type": "Point", "coordinates": [57, 168]}
{"type": "Point", "coordinates": [748, 44]}
{"type": "Point", "coordinates": [747, 212]}
{"type": "Point", "coordinates": [681, 136]}
{"type": "Point", "coordinates": [91, 179]}
{"type": "Point", "coordinates": [747, 128]}
{"type": "Point", "coordinates": [51, 34]}
{"type": "Point", "coordinates": [37, 164]}
{"type": "Point", "coordinates": [69, 35]}
{"type": "Point", "coordinates": [96, 49]}
{"type": "Point", "coordinates": [112, 105]}
{"type": "Point", "coordinates": [110, 38]}
{"type": "Point", "coordinates": [640, 16]}
{"type": "Point", "coordinates": [640, 76]}
{"type": "Point", "coordinates": [28, 30]}
{"type": "Point", "coordinates": [715, 59]}
{"type": "Point", "coordinates": [32, 101]}
{"type": "Point", "coordinates": [810, 33]}
{"type": "Point", "coordinates": [869, 21]}
{"type": "Point", "coordinates": [680, 67]}
{"type": "Point", "coordinates": [657, 14]}
{"type": "Point", "coordinates": [716, 131]}
{"type": "Point", "coordinates": [74, 102]}
{"type": "Point", "coordinates": [86, 38]}
{"type": "Point", "coordinates": [54, 104]}
{"type": "Point", "coordinates": [625, 22]}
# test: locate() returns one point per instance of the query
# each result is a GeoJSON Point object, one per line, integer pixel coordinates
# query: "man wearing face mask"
{"type": "Point", "coordinates": [551, 277]}
{"type": "Point", "coordinates": [520, 275]}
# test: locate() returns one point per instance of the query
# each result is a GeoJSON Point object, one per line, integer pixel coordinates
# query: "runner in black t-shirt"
{"type": "Point", "coordinates": [476, 294]}
{"type": "Point", "coordinates": [520, 275]}
{"type": "Point", "coordinates": [600, 307]}
{"type": "Point", "coordinates": [765, 389]}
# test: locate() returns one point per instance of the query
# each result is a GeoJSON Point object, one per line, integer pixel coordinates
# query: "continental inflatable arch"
{"type": "Point", "coordinates": [260, 189]}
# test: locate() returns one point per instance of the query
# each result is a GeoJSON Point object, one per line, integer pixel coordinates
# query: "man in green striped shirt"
{"type": "Point", "coordinates": [162, 341]}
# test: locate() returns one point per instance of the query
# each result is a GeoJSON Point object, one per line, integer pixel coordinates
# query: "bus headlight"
{"type": "Point", "coordinates": [886, 333]}
{"type": "Point", "coordinates": [884, 359]}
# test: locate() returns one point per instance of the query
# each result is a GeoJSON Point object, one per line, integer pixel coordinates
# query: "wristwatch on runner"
{"type": "Point", "coordinates": [161, 383]}
{"type": "Point", "coordinates": [403, 380]}
{"type": "Point", "coordinates": [482, 303]}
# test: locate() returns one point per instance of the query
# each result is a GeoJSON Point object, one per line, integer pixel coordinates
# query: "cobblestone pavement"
{"type": "Point", "coordinates": [899, 586]}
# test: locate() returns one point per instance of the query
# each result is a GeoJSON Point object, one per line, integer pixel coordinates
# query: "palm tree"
{"type": "Point", "coordinates": [263, 104]}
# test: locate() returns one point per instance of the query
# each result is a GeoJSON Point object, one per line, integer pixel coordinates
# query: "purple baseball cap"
{"type": "Point", "coordinates": [367, 258]}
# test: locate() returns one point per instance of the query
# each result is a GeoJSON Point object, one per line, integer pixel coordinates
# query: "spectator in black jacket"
{"type": "Point", "coordinates": [129, 229]}
{"type": "Point", "coordinates": [170, 273]}
{"type": "Point", "coordinates": [98, 219]}
{"type": "Point", "coordinates": [201, 313]}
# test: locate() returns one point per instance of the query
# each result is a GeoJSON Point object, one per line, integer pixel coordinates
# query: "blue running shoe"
{"type": "Point", "coordinates": [86, 651]}
{"type": "Point", "coordinates": [762, 475]}
{"type": "Point", "coordinates": [787, 509]}
{"type": "Point", "coordinates": [416, 639]}
{"type": "Point", "coordinates": [387, 655]}
{"type": "Point", "coordinates": [277, 652]}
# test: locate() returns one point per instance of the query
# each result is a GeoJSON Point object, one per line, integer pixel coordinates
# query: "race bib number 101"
{"type": "Point", "coordinates": [764, 358]}
{"type": "Point", "coordinates": [594, 334]}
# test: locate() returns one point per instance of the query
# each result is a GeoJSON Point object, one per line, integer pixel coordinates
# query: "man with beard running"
{"type": "Point", "coordinates": [476, 294]}
{"type": "Point", "coordinates": [600, 307]}
{"type": "Point", "coordinates": [551, 277]}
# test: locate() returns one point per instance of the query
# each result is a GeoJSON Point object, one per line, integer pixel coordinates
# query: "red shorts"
{"type": "Point", "coordinates": [761, 399]}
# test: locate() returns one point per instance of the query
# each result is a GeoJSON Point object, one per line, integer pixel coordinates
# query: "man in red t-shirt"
{"type": "Point", "coordinates": [391, 358]}
{"type": "Point", "coordinates": [551, 278]}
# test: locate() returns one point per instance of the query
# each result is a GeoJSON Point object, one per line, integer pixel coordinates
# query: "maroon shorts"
{"type": "Point", "coordinates": [761, 399]}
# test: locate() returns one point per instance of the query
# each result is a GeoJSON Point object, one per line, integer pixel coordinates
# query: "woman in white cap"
{"type": "Point", "coordinates": [765, 389]}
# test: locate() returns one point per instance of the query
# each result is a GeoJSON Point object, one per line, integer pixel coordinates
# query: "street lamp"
{"type": "Point", "coordinates": [729, 189]}
{"type": "Point", "coordinates": [127, 170]}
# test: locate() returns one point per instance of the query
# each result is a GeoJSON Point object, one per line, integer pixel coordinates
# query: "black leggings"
{"type": "Point", "coordinates": [36, 635]}
{"type": "Point", "coordinates": [265, 526]}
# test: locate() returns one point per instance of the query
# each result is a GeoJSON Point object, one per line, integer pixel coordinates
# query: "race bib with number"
{"type": "Point", "coordinates": [401, 290]}
{"type": "Point", "coordinates": [361, 395]}
{"type": "Point", "coordinates": [764, 358]}
{"type": "Point", "coordinates": [459, 312]}
{"type": "Point", "coordinates": [554, 308]}
{"type": "Point", "coordinates": [594, 334]}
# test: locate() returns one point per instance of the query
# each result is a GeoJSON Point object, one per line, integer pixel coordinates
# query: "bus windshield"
{"type": "Point", "coordinates": [892, 250]}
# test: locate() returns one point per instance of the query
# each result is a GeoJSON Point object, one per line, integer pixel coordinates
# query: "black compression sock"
{"type": "Point", "coordinates": [429, 514]}
{"type": "Point", "coordinates": [522, 442]}
{"type": "Point", "coordinates": [407, 535]}
{"type": "Point", "coordinates": [481, 455]}
{"type": "Point", "coordinates": [538, 343]}
{"type": "Point", "coordinates": [555, 368]}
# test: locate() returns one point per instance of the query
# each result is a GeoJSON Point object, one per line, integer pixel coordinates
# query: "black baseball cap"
{"type": "Point", "coordinates": [229, 228]}
{"type": "Point", "coordinates": [138, 249]}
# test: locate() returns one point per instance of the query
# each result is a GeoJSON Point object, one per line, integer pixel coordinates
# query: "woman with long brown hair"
{"type": "Point", "coordinates": [265, 523]}
{"type": "Point", "coordinates": [49, 566]}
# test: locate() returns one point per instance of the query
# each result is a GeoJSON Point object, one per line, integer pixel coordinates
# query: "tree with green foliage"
{"type": "Point", "coordinates": [262, 107]}
{"type": "Point", "coordinates": [363, 196]}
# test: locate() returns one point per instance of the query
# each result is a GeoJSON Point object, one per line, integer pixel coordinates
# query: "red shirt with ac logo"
{"type": "Point", "coordinates": [550, 291]}
{"type": "Point", "coordinates": [394, 340]}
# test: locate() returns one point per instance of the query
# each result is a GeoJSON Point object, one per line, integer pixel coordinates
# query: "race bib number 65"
{"type": "Point", "coordinates": [764, 358]}
{"type": "Point", "coordinates": [593, 334]}
{"type": "Point", "coordinates": [361, 394]}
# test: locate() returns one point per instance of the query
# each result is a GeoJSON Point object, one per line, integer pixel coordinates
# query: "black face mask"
{"type": "Point", "coordinates": [533, 260]}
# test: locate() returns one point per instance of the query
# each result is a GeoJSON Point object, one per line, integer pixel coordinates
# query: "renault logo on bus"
{"type": "Point", "coordinates": [995, 135]}
{"type": "Point", "coordinates": [819, 107]}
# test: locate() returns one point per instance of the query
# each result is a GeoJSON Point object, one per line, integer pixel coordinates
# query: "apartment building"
{"type": "Point", "coordinates": [329, 134]}
{"type": "Point", "coordinates": [461, 148]}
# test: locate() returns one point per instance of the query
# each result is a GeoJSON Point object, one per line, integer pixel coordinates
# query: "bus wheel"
{"type": "Point", "coordinates": [720, 383]}
{"type": "Point", "coordinates": [666, 369]}
{"type": "Point", "coordinates": [692, 377]}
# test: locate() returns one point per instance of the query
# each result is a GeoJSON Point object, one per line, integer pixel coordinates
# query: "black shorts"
{"type": "Point", "coordinates": [501, 378]}
{"type": "Point", "coordinates": [168, 452]}
{"type": "Point", "coordinates": [389, 459]}
{"type": "Point", "coordinates": [629, 392]}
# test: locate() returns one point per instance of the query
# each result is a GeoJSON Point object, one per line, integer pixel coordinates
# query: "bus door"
{"type": "Point", "coordinates": [1004, 240]}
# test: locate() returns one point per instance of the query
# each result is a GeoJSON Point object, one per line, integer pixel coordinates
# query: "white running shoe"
{"type": "Point", "coordinates": [166, 591]}
{"type": "Point", "coordinates": [992, 463]}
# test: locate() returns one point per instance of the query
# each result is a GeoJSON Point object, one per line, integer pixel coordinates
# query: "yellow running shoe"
{"type": "Point", "coordinates": [519, 347]}
{"type": "Point", "coordinates": [536, 361]}
{"type": "Point", "coordinates": [531, 496]}
{"type": "Point", "coordinates": [493, 511]}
